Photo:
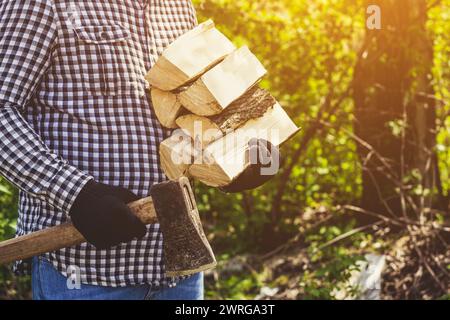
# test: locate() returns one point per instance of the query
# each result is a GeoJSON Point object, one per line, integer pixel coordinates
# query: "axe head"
{"type": "Point", "coordinates": [186, 248]}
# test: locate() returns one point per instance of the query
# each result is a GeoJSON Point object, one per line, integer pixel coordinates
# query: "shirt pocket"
{"type": "Point", "coordinates": [109, 62]}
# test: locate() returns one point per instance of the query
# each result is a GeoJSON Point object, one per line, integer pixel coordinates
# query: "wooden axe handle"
{"type": "Point", "coordinates": [62, 236]}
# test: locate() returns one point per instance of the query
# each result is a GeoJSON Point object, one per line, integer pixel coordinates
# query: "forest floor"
{"type": "Point", "coordinates": [412, 264]}
{"type": "Point", "coordinates": [329, 258]}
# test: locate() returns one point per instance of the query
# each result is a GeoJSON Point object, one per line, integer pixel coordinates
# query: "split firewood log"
{"type": "Point", "coordinates": [225, 159]}
{"type": "Point", "coordinates": [189, 57]}
{"type": "Point", "coordinates": [167, 107]}
{"type": "Point", "coordinates": [218, 88]}
{"type": "Point", "coordinates": [176, 155]}
{"type": "Point", "coordinates": [199, 128]}
{"type": "Point", "coordinates": [252, 105]}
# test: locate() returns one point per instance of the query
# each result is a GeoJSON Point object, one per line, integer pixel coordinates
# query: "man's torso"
{"type": "Point", "coordinates": [93, 109]}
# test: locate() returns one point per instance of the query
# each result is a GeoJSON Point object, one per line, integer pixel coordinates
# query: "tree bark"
{"type": "Point", "coordinates": [392, 113]}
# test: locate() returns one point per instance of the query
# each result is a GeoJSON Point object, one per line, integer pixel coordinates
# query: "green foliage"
{"type": "Point", "coordinates": [240, 286]}
{"type": "Point", "coordinates": [310, 49]}
{"type": "Point", "coordinates": [332, 264]}
{"type": "Point", "coordinates": [11, 287]}
{"type": "Point", "coordinates": [438, 26]}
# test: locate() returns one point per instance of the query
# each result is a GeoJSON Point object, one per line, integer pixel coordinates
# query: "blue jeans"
{"type": "Point", "coordinates": [49, 284]}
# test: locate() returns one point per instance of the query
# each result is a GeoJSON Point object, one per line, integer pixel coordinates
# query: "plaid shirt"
{"type": "Point", "coordinates": [74, 106]}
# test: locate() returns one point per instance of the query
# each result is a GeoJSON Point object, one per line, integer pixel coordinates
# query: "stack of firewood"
{"type": "Point", "coordinates": [207, 87]}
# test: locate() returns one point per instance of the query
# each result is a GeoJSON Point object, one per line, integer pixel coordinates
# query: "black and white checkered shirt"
{"type": "Point", "coordinates": [74, 107]}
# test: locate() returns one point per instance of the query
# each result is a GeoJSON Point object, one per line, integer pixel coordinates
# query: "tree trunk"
{"type": "Point", "coordinates": [395, 111]}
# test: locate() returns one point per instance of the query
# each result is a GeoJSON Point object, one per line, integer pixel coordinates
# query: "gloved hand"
{"type": "Point", "coordinates": [264, 163]}
{"type": "Point", "coordinates": [100, 213]}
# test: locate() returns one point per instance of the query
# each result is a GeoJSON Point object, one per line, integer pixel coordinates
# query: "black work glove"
{"type": "Point", "coordinates": [100, 213]}
{"type": "Point", "coordinates": [264, 163]}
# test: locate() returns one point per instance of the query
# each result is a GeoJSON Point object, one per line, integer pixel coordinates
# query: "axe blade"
{"type": "Point", "coordinates": [186, 248]}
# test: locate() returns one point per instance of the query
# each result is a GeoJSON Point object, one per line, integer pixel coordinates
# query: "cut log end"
{"type": "Point", "coordinates": [211, 175]}
{"type": "Point", "coordinates": [198, 100]}
{"type": "Point", "coordinates": [190, 56]}
{"type": "Point", "coordinates": [166, 76]}
{"type": "Point", "coordinates": [176, 155]}
{"type": "Point", "coordinates": [218, 88]}
{"type": "Point", "coordinates": [167, 107]}
{"type": "Point", "coordinates": [200, 129]}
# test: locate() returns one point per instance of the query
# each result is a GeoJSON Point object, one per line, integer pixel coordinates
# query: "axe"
{"type": "Point", "coordinates": [172, 205]}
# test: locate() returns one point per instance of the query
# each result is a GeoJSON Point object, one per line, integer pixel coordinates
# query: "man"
{"type": "Point", "coordinates": [79, 138]}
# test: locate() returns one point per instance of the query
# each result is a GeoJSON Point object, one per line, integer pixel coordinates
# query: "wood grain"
{"type": "Point", "coordinates": [229, 80]}
{"type": "Point", "coordinates": [227, 161]}
{"type": "Point", "coordinates": [167, 107]}
{"type": "Point", "coordinates": [252, 105]}
{"type": "Point", "coordinates": [190, 56]}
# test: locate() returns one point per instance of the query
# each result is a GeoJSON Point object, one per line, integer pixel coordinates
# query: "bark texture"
{"type": "Point", "coordinates": [252, 105]}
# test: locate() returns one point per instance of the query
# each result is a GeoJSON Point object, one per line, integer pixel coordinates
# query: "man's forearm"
{"type": "Point", "coordinates": [30, 165]}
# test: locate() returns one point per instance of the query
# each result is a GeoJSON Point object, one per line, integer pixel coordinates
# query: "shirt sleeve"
{"type": "Point", "coordinates": [28, 36]}
{"type": "Point", "coordinates": [193, 15]}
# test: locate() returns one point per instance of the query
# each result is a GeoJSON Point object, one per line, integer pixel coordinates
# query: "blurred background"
{"type": "Point", "coordinates": [360, 209]}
